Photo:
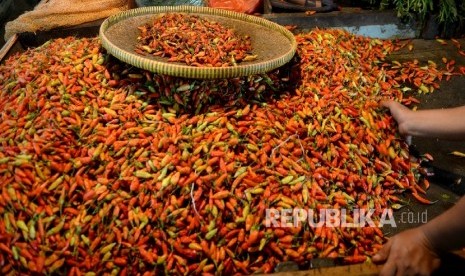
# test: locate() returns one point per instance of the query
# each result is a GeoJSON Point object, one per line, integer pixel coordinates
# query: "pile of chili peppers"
{"type": "Point", "coordinates": [194, 40]}
{"type": "Point", "coordinates": [99, 175]}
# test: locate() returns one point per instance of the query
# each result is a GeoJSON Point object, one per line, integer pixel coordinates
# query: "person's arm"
{"type": "Point", "coordinates": [446, 123]}
{"type": "Point", "coordinates": [416, 251]}
{"type": "Point", "coordinates": [447, 231]}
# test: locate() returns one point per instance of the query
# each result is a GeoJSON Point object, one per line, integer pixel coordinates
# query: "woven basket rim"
{"type": "Point", "coordinates": [114, 47]}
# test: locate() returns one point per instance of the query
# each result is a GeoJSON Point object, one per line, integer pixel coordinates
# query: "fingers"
{"type": "Point", "coordinates": [383, 254]}
{"type": "Point", "coordinates": [405, 254]}
{"type": "Point", "coordinates": [387, 103]}
{"type": "Point", "coordinates": [402, 115]}
{"type": "Point", "coordinates": [393, 105]}
{"type": "Point", "coordinates": [389, 269]}
{"type": "Point", "coordinates": [435, 264]}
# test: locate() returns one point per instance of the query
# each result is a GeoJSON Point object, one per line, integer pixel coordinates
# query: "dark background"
{"type": "Point", "coordinates": [12, 11]}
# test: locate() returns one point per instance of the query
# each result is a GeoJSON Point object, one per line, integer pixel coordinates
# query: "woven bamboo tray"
{"type": "Point", "coordinates": [273, 44]}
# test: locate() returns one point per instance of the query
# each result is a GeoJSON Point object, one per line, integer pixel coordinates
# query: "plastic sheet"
{"type": "Point", "coordinates": [244, 6]}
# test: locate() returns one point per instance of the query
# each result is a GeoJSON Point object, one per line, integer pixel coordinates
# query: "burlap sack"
{"type": "Point", "coordinates": [51, 14]}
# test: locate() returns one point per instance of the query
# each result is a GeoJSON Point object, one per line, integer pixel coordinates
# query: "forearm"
{"type": "Point", "coordinates": [447, 231]}
{"type": "Point", "coordinates": [440, 123]}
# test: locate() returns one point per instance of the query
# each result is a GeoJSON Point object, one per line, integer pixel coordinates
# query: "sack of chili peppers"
{"type": "Point", "coordinates": [52, 14]}
{"type": "Point", "coordinates": [243, 6]}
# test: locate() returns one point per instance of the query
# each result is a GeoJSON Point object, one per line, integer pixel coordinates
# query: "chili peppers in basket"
{"type": "Point", "coordinates": [194, 40]}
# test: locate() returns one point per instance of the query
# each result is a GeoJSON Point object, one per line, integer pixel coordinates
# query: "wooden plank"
{"type": "Point", "coordinates": [451, 263]}
{"type": "Point", "coordinates": [364, 269]}
{"type": "Point", "coordinates": [8, 45]}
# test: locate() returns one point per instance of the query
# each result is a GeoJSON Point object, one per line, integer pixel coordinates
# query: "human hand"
{"type": "Point", "coordinates": [407, 253]}
{"type": "Point", "coordinates": [401, 114]}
